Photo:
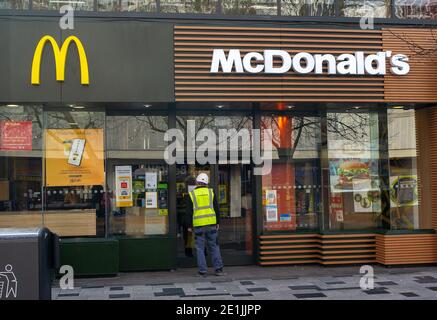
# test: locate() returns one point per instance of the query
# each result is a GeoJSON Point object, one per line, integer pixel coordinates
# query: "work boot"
{"type": "Point", "coordinates": [201, 274]}
{"type": "Point", "coordinates": [220, 272]}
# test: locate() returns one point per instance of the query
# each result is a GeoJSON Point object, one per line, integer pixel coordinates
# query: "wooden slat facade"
{"type": "Point", "coordinates": [420, 84]}
{"type": "Point", "coordinates": [193, 47]}
{"type": "Point", "coordinates": [406, 249]}
{"type": "Point", "coordinates": [315, 248]}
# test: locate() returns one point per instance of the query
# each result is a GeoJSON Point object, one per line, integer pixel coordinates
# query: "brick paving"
{"type": "Point", "coordinates": [253, 282]}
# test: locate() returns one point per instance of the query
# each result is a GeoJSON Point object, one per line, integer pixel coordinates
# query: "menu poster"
{"type": "Point", "coordinates": [272, 213]}
{"type": "Point", "coordinates": [123, 186]}
{"type": "Point", "coordinates": [151, 200]}
{"type": "Point", "coordinates": [16, 135]}
{"type": "Point", "coordinates": [151, 180]}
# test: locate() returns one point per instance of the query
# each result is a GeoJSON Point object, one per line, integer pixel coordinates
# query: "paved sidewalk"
{"type": "Point", "coordinates": [253, 282]}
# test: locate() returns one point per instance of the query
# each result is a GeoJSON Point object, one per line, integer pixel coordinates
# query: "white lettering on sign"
{"type": "Point", "coordinates": [305, 63]}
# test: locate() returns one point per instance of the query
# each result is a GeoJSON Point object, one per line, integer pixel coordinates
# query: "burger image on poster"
{"type": "Point", "coordinates": [353, 174]}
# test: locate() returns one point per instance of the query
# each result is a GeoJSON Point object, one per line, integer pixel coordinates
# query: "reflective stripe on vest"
{"type": "Point", "coordinates": [203, 207]}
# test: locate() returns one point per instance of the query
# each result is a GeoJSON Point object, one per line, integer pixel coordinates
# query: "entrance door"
{"type": "Point", "coordinates": [233, 189]}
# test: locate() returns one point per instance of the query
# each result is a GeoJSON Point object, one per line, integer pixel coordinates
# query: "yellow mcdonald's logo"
{"type": "Point", "coordinates": [60, 58]}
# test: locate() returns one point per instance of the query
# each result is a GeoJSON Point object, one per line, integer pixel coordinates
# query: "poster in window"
{"type": "Point", "coordinates": [74, 157]}
{"type": "Point", "coordinates": [271, 198]}
{"type": "Point", "coordinates": [123, 186]}
{"type": "Point", "coordinates": [151, 180]}
{"type": "Point", "coordinates": [271, 213]}
{"type": "Point", "coordinates": [403, 191]}
{"type": "Point", "coordinates": [151, 200]}
{"type": "Point", "coordinates": [222, 194]}
{"type": "Point", "coordinates": [16, 135]}
{"type": "Point", "coordinates": [348, 175]}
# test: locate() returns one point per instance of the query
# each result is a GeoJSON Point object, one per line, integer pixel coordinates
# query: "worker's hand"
{"type": "Point", "coordinates": [190, 230]}
{"type": "Point", "coordinates": [218, 226]}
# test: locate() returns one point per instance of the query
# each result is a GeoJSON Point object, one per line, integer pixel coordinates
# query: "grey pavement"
{"type": "Point", "coordinates": [254, 282]}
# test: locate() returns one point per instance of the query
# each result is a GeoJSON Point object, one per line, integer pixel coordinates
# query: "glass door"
{"type": "Point", "coordinates": [185, 182]}
{"type": "Point", "coordinates": [234, 192]}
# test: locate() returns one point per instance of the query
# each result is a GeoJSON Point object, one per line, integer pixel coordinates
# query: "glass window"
{"type": "Point", "coordinates": [20, 166]}
{"type": "Point", "coordinates": [108, 5]}
{"type": "Point", "coordinates": [232, 132]}
{"type": "Point", "coordinates": [353, 153]}
{"type": "Point", "coordinates": [136, 133]}
{"type": "Point", "coordinates": [404, 192]}
{"type": "Point", "coordinates": [146, 210]}
{"type": "Point", "coordinates": [250, 7]}
{"type": "Point", "coordinates": [139, 5]}
{"type": "Point", "coordinates": [139, 196]}
{"type": "Point", "coordinates": [188, 6]}
{"type": "Point", "coordinates": [82, 5]}
{"type": "Point", "coordinates": [14, 4]}
{"type": "Point", "coordinates": [412, 9]}
{"type": "Point", "coordinates": [291, 193]}
{"type": "Point", "coordinates": [75, 198]}
{"type": "Point", "coordinates": [361, 8]}
{"type": "Point", "coordinates": [307, 8]}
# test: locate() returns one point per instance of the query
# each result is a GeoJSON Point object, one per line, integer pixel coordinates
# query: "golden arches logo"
{"type": "Point", "coordinates": [60, 59]}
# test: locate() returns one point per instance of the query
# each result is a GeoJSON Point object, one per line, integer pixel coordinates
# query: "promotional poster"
{"type": "Point", "coordinates": [74, 156]}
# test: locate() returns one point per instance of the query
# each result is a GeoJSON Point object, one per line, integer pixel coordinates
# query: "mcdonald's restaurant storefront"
{"type": "Point", "coordinates": [86, 115]}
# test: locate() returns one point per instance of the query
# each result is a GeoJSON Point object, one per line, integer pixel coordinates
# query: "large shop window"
{"type": "Point", "coordinates": [373, 181]}
{"type": "Point", "coordinates": [404, 182]}
{"type": "Point", "coordinates": [354, 167]}
{"type": "Point", "coordinates": [291, 193]}
{"type": "Point", "coordinates": [20, 166]}
{"type": "Point", "coordinates": [137, 176]}
{"type": "Point", "coordinates": [74, 173]}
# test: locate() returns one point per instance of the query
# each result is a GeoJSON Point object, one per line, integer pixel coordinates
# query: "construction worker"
{"type": "Point", "coordinates": [203, 216]}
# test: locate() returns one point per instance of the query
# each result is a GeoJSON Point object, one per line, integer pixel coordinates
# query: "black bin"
{"type": "Point", "coordinates": [28, 259]}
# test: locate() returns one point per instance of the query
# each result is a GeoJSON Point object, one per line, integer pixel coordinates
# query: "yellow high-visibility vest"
{"type": "Point", "coordinates": [203, 207]}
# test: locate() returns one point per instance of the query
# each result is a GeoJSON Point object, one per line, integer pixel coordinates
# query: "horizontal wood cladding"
{"type": "Point", "coordinates": [420, 45]}
{"type": "Point", "coordinates": [315, 248]}
{"type": "Point", "coordinates": [193, 47]}
{"type": "Point", "coordinates": [406, 249]}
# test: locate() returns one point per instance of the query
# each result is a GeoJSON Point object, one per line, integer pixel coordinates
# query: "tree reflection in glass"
{"type": "Point", "coordinates": [307, 8]}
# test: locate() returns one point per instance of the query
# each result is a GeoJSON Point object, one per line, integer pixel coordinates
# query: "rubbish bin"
{"type": "Point", "coordinates": [28, 258]}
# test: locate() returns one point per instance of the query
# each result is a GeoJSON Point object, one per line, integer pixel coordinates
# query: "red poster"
{"type": "Point", "coordinates": [15, 135]}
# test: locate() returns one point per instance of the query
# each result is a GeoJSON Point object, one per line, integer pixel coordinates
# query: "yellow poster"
{"type": "Point", "coordinates": [74, 157]}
